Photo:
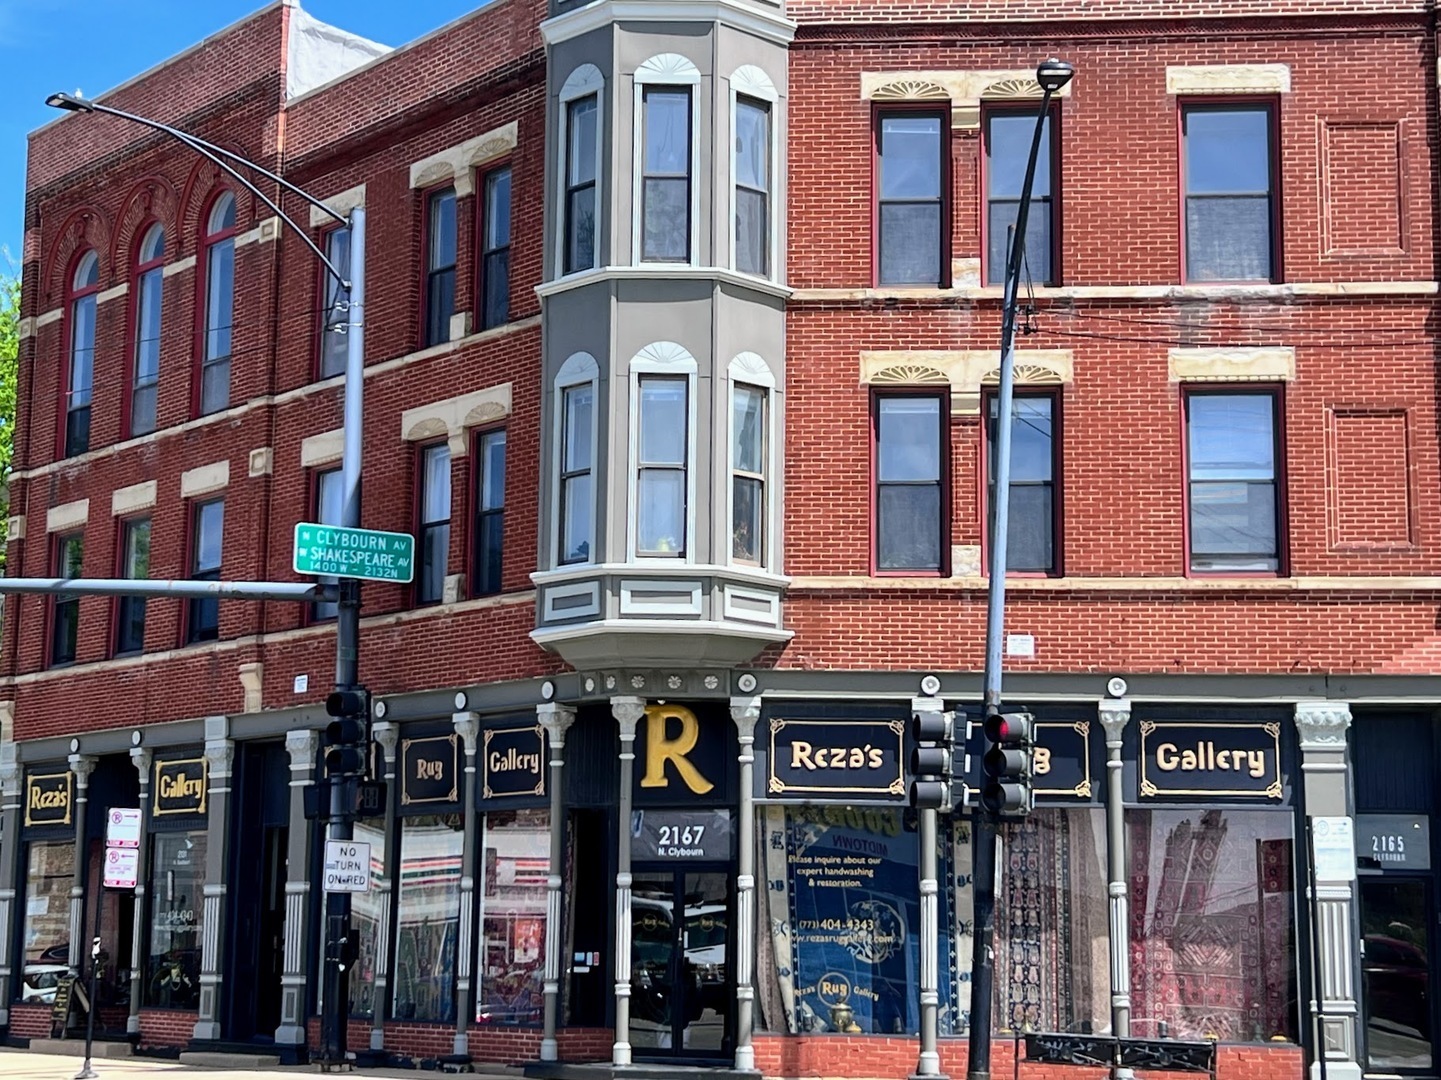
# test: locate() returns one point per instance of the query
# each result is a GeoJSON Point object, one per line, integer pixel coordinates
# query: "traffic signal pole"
{"type": "Point", "coordinates": [347, 656]}
{"type": "Point", "coordinates": [1051, 75]}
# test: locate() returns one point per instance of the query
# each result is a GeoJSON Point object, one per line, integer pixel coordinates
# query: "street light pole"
{"type": "Point", "coordinates": [1051, 75]}
{"type": "Point", "coordinates": [347, 629]}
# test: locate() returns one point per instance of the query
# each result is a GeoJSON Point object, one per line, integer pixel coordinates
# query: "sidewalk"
{"type": "Point", "coordinates": [23, 1065]}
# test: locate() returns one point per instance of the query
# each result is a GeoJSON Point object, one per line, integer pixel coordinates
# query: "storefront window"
{"type": "Point", "coordinates": [1213, 909]}
{"type": "Point", "coordinates": [177, 883]}
{"type": "Point", "coordinates": [366, 911]}
{"type": "Point", "coordinates": [428, 918]}
{"type": "Point", "coordinates": [840, 949]}
{"type": "Point", "coordinates": [48, 877]}
{"type": "Point", "coordinates": [1052, 924]}
{"type": "Point", "coordinates": [516, 861]}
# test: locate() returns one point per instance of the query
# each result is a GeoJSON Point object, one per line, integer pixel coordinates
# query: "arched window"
{"type": "Point", "coordinates": [218, 314]}
{"type": "Point", "coordinates": [145, 375]}
{"type": "Point", "coordinates": [84, 284]}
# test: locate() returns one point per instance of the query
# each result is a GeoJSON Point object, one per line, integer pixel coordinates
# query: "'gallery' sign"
{"type": "Point", "coordinates": [513, 761]}
{"type": "Point", "coordinates": [844, 758]}
{"type": "Point", "coordinates": [181, 786]}
{"type": "Point", "coordinates": [1199, 758]}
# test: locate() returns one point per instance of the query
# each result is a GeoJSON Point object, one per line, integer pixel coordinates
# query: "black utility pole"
{"type": "Point", "coordinates": [1051, 75]}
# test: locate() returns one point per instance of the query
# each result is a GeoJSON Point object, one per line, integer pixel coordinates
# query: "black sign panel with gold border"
{"type": "Point", "coordinates": [842, 758]}
{"type": "Point", "coordinates": [48, 798]}
{"type": "Point", "coordinates": [512, 761]}
{"type": "Point", "coordinates": [181, 786]}
{"type": "Point", "coordinates": [1063, 759]}
{"type": "Point", "coordinates": [430, 771]}
{"type": "Point", "coordinates": [1200, 759]}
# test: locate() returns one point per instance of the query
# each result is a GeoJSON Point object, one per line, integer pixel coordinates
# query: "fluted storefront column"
{"type": "Point", "coordinates": [467, 726]}
{"type": "Point", "coordinates": [142, 759]}
{"type": "Point", "coordinates": [388, 736]}
{"type": "Point", "coordinates": [745, 711]}
{"type": "Point", "coordinates": [1322, 726]}
{"type": "Point", "coordinates": [1115, 715]}
{"type": "Point", "coordinates": [302, 746]}
{"type": "Point", "coordinates": [11, 878]}
{"type": "Point", "coordinates": [556, 719]}
{"type": "Point", "coordinates": [627, 712]}
{"type": "Point", "coordinates": [219, 758]}
{"type": "Point", "coordinates": [82, 765]}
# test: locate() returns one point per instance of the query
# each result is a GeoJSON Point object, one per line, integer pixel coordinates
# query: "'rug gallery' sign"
{"type": "Point", "coordinates": [1199, 758]}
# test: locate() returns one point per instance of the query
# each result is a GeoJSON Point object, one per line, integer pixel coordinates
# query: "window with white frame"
{"type": "Point", "coordinates": [751, 386]}
{"type": "Point", "coordinates": [664, 203]}
{"type": "Point", "coordinates": [662, 425]}
{"type": "Point", "coordinates": [581, 109]}
{"type": "Point", "coordinates": [753, 98]}
{"type": "Point", "coordinates": [574, 499]}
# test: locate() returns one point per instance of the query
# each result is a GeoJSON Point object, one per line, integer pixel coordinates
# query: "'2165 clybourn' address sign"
{"type": "Point", "coordinates": [1194, 757]}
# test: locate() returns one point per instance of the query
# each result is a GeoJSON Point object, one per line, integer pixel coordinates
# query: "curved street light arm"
{"type": "Point", "coordinates": [218, 154]}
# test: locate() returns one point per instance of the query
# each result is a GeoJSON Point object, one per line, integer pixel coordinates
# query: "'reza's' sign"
{"type": "Point", "coordinates": [1190, 758]}
{"type": "Point", "coordinates": [48, 799]}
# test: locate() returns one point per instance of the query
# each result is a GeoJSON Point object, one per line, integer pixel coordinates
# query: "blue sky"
{"type": "Point", "coordinates": [93, 45]}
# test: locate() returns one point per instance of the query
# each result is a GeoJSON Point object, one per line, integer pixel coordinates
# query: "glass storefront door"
{"type": "Point", "coordinates": [681, 987]}
{"type": "Point", "coordinates": [1396, 916]}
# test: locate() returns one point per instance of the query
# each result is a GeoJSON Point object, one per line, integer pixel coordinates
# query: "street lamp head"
{"type": "Point", "coordinates": [69, 102]}
{"type": "Point", "coordinates": [1053, 74]}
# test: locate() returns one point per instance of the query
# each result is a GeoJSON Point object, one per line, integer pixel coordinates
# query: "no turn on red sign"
{"type": "Point", "coordinates": [347, 866]}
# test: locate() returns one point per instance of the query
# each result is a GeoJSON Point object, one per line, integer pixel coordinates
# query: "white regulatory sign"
{"type": "Point", "coordinates": [347, 866]}
{"type": "Point", "coordinates": [122, 828]}
{"type": "Point", "coordinates": [122, 868]}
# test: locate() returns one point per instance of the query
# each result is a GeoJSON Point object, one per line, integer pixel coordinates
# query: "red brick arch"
{"type": "Point", "coordinates": [152, 199]}
{"type": "Point", "coordinates": [86, 227]}
{"type": "Point", "coordinates": [206, 181]}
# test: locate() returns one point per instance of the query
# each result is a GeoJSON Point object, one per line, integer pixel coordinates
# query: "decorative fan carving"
{"type": "Point", "coordinates": [1013, 88]}
{"type": "Point", "coordinates": [667, 354]}
{"type": "Point", "coordinates": [912, 90]}
{"type": "Point", "coordinates": [750, 368]}
{"type": "Point", "coordinates": [667, 67]}
{"type": "Point", "coordinates": [1029, 374]}
{"type": "Point", "coordinates": [752, 81]}
{"type": "Point", "coordinates": [484, 413]}
{"type": "Point", "coordinates": [910, 373]}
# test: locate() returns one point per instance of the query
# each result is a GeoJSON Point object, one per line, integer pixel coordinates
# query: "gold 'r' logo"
{"type": "Point", "coordinates": [660, 748]}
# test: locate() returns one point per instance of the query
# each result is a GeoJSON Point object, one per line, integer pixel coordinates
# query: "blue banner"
{"type": "Point", "coordinates": [855, 917]}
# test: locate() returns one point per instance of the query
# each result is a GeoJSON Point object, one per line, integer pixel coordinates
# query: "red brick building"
{"type": "Point", "coordinates": [681, 341]}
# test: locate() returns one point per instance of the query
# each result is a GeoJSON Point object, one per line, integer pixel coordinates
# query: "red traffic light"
{"type": "Point", "coordinates": [1017, 727]}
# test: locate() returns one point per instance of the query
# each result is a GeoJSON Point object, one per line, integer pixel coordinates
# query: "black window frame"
{"type": "Point", "coordinates": [570, 238]}
{"type": "Point", "coordinates": [493, 260]}
{"type": "Point", "coordinates": [565, 477]}
{"type": "Point", "coordinates": [487, 556]}
{"type": "Point", "coordinates": [130, 610]}
{"type": "Point", "coordinates": [435, 323]}
{"type": "Point", "coordinates": [763, 107]}
{"type": "Point", "coordinates": [82, 306]}
{"type": "Point", "coordinates": [686, 91]}
{"type": "Point", "coordinates": [942, 483]}
{"type": "Point", "coordinates": [425, 527]}
{"type": "Point", "coordinates": [990, 404]}
{"type": "Point", "coordinates": [324, 610]}
{"type": "Point", "coordinates": [1279, 556]}
{"type": "Point", "coordinates": [334, 337]}
{"type": "Point", "coordinates": [65, 607]}
{"type": "Point", "coordinates": [1271, 107]}
{"type": "Point", "coordinates": [202, 615]}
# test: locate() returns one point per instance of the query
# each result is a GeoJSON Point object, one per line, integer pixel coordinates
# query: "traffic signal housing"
{"type": "Point", "coordinates": [1008, 764]}
{"type": "Point", "coordinates": [932, 756]}
{"type": "Point", "coordinates": [347, 737]}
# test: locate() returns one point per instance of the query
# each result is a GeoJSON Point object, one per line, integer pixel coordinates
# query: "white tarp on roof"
{"type": "Point", "coordinates": [320, 52]}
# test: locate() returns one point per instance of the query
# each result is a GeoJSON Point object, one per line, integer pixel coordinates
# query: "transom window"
{"type": "Point", "coordinates": [440, 253]}
{"type": "Point", "coordinates": [334, 329]}
{"type": "Point", "coordinates": [1232, 447]}
{"type": "Point", "coordinates": [84, 285]}
{"type": "Point", "coordinates": [149, 290]}
{"type": "Point", "coordinates": [1230, 211]}
{"type": "Point", "coordinates": [910, 193]}
{"type": "Point", "coordinates": [910, 467]}
{"type": "Point", "coordinates": [1008, 134]}
{"type": "Point", "coordinates": [219, 306]}
{"type": "Point", "coordinates": [666, 174]}
{"type": "Point", "coordinates": [1032, 535]}
{"type": "Point", "coordinates": [434, 523]}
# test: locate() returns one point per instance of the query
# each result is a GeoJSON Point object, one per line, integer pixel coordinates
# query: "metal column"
{"type": "Point", "coordinates": [82, 765]}
{"type": "Point", "coordinates": [11, 785]}
{"type": "Point", "coordinates": [142, 759]}
{"type": "Point", "coordinates": [745, 711]}
{"type": "Point", "coordinates": [627, 712]}
{"type": "Point", "coordinates": [1115, 715]}
{"type": "Point", "coordinates": [467, 726]}
{"type": "Point", "coordinates": [219, 756]}
{"type": "Point", "coordinates": [302, 746]}
{"type": "Point", "coordinates": [556, 719]}
{"type": "Point", "coordinates": [929, 1061]}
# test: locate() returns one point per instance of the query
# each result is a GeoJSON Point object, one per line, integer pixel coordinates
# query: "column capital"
{"type": "Point", "coordinates": [219, 755]}
{"type": "Point", "coordinates": [467, 726]}
{"type": "Point", "coordinates": [142, 757]}
{"type": "Point", "coordinates": [302, 745]}
{"type": "Point", "coordinates": [82, 765]}
{"type": "Point", "coordinates": [746, 711]}
{"type": "Point", "coordinates": [627, 711]}
{"type": "Point", "coordinates": [388, 735]}
{"type": "Point", "coordinates": [556, 719]}
{"type": "Point", "coordinates": [1322, 724]}
{"type": "Point", "coordinates": [1115, 715]}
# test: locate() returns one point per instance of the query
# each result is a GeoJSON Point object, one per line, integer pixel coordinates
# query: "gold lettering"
{"type": "Point", "coordinates": [659, 749]}
{"type": "Point", "coordinates": [874, 757]}
{"type": "Point", "coordinates": [426, 769]}
{"type": "Point", "coordinates": [1256, 760]}
{"type": "Point", "coordinates": [1190, 761]}
{"type": "Point", "coordinates": [801, 755]}
{"type": "Point", "coordinates": [1166, 756]}
{"type": "Point", "coordinates": [40, 799]}
{"type": "Point", "coordinates": [1042, 760]}
{"type": "Point", "coordinates": [179, 786]}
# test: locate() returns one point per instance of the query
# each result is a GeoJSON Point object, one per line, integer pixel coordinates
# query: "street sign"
{"type": "Point", "coordinates": [122, 868]}
{"type": "Point", "coordinates": [347, 866]}
{"type": "Point", "coordinates": [122, 828]}
{"type": "Point", "coordinates": [354, 553]}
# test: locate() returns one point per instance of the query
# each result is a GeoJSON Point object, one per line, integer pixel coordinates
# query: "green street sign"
{"type": "Point", "coordinates": [354, 553]}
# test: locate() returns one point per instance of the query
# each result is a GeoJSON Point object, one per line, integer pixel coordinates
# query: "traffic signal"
{"type": "Point", "coordinates": [347, 737]}
{"type": "Point", "coordinates": [932, 734]}
{"type": "Point", "coordinates": [1008, 764]}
